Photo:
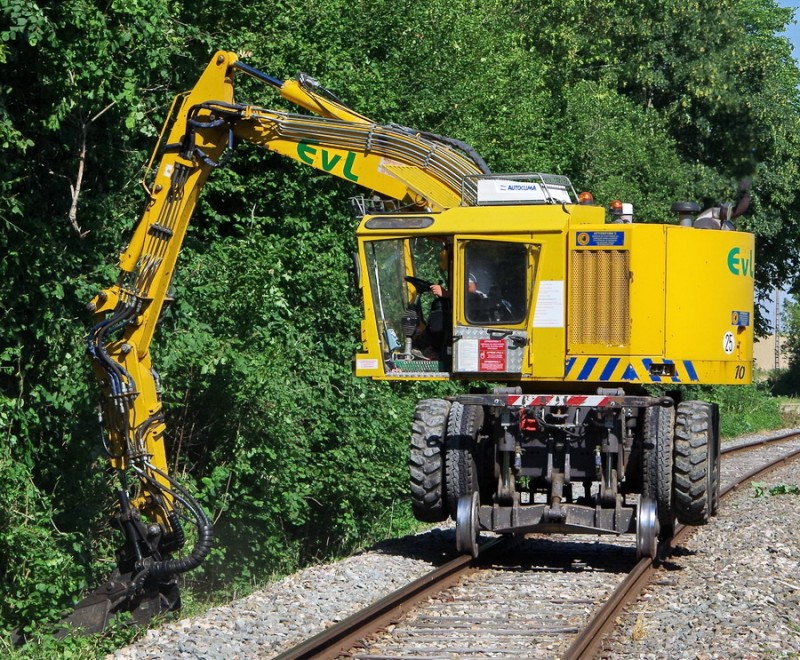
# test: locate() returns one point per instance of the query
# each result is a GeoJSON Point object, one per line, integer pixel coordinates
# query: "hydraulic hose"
{"type": "Point", "coordinates": [161, 569]}
{"type": "Point", "coordinates": [474, 156]}
{"type": "Point", "coordinates": [205, 532]}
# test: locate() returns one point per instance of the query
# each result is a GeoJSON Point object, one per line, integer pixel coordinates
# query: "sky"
{"type": "Point", "coordinates": [794, 30]}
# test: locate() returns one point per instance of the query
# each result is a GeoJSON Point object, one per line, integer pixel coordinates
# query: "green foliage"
{"type": "Point", "coordinates": [762, 490]}
{"type": "Point", "coordinates": [787, 382]}
{"type": "Point", "coordinates": [746, 408]}
{"type": "Point", "coordinates": [785, 489]}
{"type": "Point", "coordinates": [791, 328]}
{"type": "Point", "coordinates": [43, 645]}
{"type": "Point", "coordinates": [38, 575]}
{"type": "Point", "coordinates": [622, 151]}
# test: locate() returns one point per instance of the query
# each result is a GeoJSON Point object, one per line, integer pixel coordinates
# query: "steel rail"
{"type": "Point", "coordinates": [339, 638]}
{"type": "Point", "coordinates": [588, 641]}
{"type": "Point", "coordinates": [763, 442]}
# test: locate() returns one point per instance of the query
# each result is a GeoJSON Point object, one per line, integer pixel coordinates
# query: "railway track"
{"type": "Point", "coordinates": [543, 597]}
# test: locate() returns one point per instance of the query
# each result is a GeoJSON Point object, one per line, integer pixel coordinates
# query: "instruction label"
{"type": "Point", "coordinates": [491, 355]}
{"type": "Point", "coordinates": [550, 305]}
{"type": "Point", "coordinates": [742, 319]}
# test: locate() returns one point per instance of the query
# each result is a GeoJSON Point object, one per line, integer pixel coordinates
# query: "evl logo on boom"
{"type": "Point", "coordinates": [739, 265]}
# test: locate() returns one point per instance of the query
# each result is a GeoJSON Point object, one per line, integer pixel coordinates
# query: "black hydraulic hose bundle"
{"type": "Point", "coordinates": [205, 530]}
{"type": "Point", "coordinates": [462, 146]}
{"type": "Point", "coordinates": [169, 567]}
{"type": "Point", "coordinates": [121, 386]}
{"type": "Point", "coordinates": [96, 349]}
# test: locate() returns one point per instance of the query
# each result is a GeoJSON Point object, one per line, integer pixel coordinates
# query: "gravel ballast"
{"type": "Point", "coordinates": [297, 607]}
{"type": "Point", "coordinates": [731, 591]}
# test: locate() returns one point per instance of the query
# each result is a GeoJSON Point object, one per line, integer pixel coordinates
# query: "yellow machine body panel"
{"type": "Point", "coordinates": [709, 302]}
{"type": "Point", "coordinates": [567, 298]}
{"type": "Point", "coordinates": [671, 304]}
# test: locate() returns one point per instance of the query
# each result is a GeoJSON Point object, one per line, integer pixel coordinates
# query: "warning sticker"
{"type": "Point", "coordinates": [491, 355]}
{"type": "Point", "coordinates": [742, 319]}
{"type": "Point", "coordinates": [600, 238]}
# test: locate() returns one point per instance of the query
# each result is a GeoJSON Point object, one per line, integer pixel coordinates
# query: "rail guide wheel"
{"type": "Point", "coordinates": [467, 526]}
{"type": "Point", "coordinates": [647, 528]}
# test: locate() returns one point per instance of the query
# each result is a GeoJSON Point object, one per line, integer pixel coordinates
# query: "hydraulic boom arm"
{"type": "Point", "coordinates": [417, 170]}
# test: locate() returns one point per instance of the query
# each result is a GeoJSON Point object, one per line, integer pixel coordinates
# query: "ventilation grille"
{"type": "Point", "coordinates": [599, 297]}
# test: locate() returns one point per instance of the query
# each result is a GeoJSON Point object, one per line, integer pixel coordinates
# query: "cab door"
{"type": "Point", "coordinates": [492, 294]}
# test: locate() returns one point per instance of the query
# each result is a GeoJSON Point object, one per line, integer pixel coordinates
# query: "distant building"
{"type": "Point", "coordinates": [766, 356]}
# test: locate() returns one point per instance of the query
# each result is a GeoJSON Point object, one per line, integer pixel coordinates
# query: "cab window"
{"type": "Point", "coordinates": [387, 270]}
{"type": "Point", "coordinates": [496, 283]}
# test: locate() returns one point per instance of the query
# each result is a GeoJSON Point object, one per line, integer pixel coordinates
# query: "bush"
{"type": "Point", "coordinates": [743, 408]}
{"type": "Point", "coordinates": [37, 561]}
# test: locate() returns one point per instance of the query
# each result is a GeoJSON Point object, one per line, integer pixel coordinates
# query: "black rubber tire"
{"type": "Point", "coordinates": [461, 470]}
{"type": "Point", "coordinates": [426, 460]}
{"type": "Point", "coordinates": [695, 486]}
{"type": "Point", "coordinates": [659, 426]}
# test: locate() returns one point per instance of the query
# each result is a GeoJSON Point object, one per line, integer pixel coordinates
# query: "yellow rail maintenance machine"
{"type": "Point", "coordinates": [465, 275]}
{"type": "Point", "coordinates": [573, 317]}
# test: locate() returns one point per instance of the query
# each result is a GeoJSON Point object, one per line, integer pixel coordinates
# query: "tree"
{"type": "Point", "coordinates": [791, 328]}
{"type": "Point", "coordinates": [721, 83]}
{"type": "Point", "coordinates": [70, 153]}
